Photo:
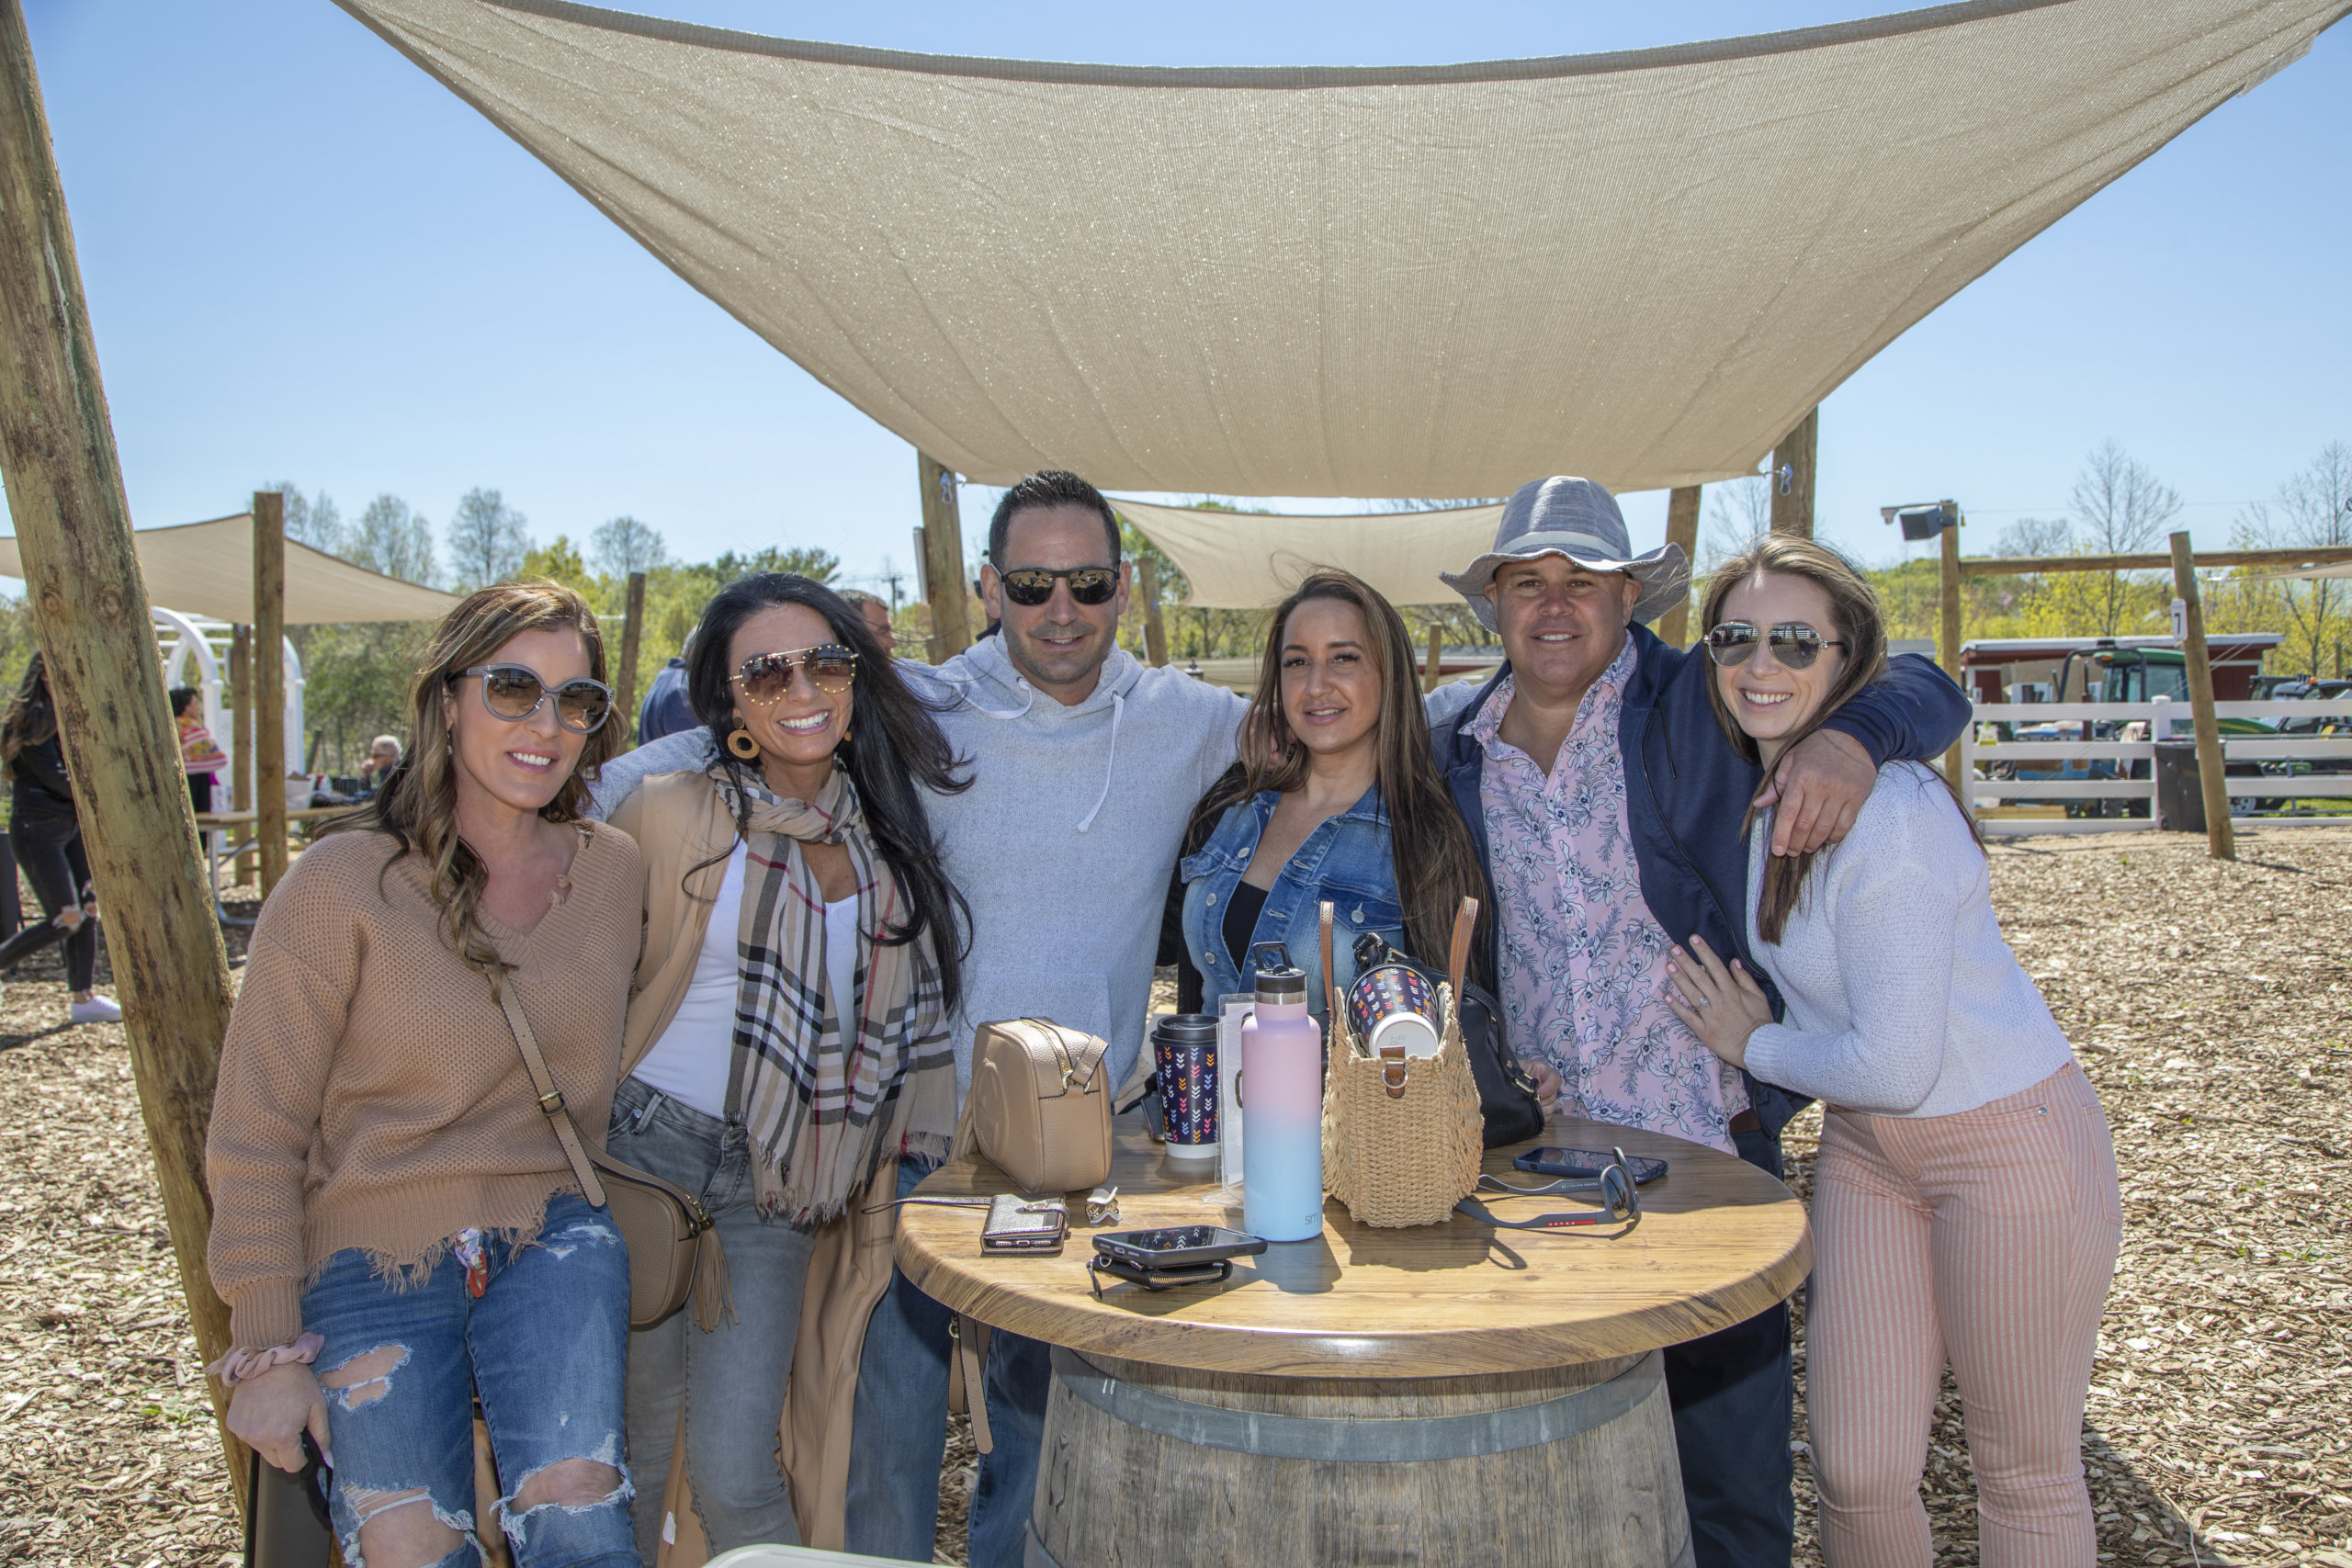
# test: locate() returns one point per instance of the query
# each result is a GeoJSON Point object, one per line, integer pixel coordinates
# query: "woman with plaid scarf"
{"type": "Point", "coordinates": [787, 1045]}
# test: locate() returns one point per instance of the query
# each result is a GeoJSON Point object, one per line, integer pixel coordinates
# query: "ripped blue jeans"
{"type": "Point", "coordinates": [545, 1345]}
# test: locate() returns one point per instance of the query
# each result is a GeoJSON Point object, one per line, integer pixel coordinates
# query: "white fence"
{"type": "Point", "coordinates": [1998, 799]}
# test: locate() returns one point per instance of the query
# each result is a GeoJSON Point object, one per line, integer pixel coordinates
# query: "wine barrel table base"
{"type": "Point", "coordinates": [1570, 1465]}
{"type": "Point", "coordinates": [1441, 1395]}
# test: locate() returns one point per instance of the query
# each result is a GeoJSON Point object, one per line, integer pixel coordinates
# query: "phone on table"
{"type": "Point", "coordinates": [1176, 1247]}
{"type": "Point", "coordinates": [1586, 1164]}
{"type": "Point", "coordinates": [1026, 1224]}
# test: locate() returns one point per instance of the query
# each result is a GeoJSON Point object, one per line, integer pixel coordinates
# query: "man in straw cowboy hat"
{"type": "Point", "coordinates": [1608, 808]}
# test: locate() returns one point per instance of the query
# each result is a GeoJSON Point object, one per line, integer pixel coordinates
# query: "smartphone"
{"type": "Point", "coordinates": [1025, 1225]}
{"type": "Point", "coordinates": [1586, 1164]}
{"type": "Point", "coordinates": [1178, 1247]}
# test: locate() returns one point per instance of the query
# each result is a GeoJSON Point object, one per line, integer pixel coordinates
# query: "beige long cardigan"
{"type": "Point", "coordinates": [679, 822]}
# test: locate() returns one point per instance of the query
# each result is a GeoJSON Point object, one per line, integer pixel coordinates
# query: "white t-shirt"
{"type": "Point", "coordinates": [691, 1060]}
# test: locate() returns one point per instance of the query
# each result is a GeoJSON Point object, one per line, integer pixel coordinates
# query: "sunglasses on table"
{"type": "Point", "coordinates": [1033, 585]}
{"type": "Point", "coordinates": [1794, 644]}
{"type": "Point", "coordinates": [765, 677]}
{"type": "Point", "coordinates": [1616, 1191]}
{"type": "Point", "coordinates": [514, 693]}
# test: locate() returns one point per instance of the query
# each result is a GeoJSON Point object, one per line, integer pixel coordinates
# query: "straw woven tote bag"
{"type": "Point", "coordinates": [1402, 1135]}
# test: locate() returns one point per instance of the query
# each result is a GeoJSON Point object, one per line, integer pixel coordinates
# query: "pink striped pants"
{"type": "Point", "coordinates": [1987, 1237]}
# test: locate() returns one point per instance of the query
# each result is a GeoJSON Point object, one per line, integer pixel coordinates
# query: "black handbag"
{"type": "Point", "coordinates": [1507, 1102]}
{"type": "Point", "coordinates": [286, 1515]}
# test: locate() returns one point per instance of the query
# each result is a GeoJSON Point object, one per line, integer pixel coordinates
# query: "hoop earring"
{"type": "Point", "coordinates": [739, 742]}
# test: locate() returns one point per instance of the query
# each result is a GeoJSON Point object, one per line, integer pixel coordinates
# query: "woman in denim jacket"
{"type": "Point", "coordinates": [1336, 798]}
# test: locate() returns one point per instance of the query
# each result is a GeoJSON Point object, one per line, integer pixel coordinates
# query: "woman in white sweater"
{"type": "Point", "coordinates": [1965, 1203]}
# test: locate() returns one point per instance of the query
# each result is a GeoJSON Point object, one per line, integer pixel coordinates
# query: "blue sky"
{"type": "Point", "coordinates": [308, 261]}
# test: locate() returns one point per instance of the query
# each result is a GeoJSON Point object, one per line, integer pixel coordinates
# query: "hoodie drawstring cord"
{"type": "Point", "coordinates": [1118, 707]}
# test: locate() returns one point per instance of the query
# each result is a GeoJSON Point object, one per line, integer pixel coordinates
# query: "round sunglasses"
{"type": "Point", "coordinates": [514, 693]}
{"type": "Point", "coordinates": [1794, 644]}
{"type": "Point", "coordinates": [1033, 585]}
{"type": "Point", "coordinates": [765, 677]}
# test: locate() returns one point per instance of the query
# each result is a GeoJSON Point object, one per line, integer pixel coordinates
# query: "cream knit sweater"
{"type": "Point", "coordinates": [1902, 998]}
{"type": "Point", "coordinates": [370, 1092]}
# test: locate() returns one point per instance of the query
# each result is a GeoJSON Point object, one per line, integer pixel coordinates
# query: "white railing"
{"type": "Point", "coordinates": [1997, 801]}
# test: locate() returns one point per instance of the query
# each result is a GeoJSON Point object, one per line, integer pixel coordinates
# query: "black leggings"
{"type": "Point", "coordinates": [48, 848]}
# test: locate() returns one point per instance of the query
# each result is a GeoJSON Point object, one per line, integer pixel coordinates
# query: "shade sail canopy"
{"type": "Point", "coordinates": [1244, 560]}
{"type": "Point", "coordinates": [207, 569]}
{"type": "Point", "coordinates": [1643, 267]}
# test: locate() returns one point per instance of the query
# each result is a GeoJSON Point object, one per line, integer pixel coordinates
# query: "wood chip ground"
{"type": "Point", "coordinates": [2210, 1003]}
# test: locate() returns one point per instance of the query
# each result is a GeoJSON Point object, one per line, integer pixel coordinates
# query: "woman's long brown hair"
{"type": "Point", "coordinates": [418, 803]}
{"type": "Point", "coordinates": [1429, 847]}
{"type": "Point", "coordinates": [1853, 607]}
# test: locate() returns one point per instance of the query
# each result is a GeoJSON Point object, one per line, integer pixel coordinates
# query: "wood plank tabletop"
{"type": "Point", "coordinates": [1719, 1241]}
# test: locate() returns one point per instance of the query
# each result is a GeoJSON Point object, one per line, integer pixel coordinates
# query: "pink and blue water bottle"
{"type": "Point", "coordinates": [1281, 1106]}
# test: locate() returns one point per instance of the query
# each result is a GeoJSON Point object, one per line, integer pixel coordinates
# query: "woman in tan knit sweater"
{"type": "Point", "coordinates": [788, 1042]}
{"type": "Point", "coordinates": [395, 1225]}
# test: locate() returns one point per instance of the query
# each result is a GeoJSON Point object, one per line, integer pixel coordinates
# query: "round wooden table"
{"type": "Point", "coordinates": [1447, 1394]}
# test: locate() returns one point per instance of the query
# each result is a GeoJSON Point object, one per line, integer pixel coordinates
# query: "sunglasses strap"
{"type": "Point", "coordinates": [1474, 1209]}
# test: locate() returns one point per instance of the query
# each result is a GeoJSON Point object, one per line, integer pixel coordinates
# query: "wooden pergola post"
{"type": "Point", "coordinates": [2221, 833]}
{"type": "Point", "coordinates": [91, 613]}
{"type": "Point", "coordinates": [269, 684]}
{"type": "Point", "coordinates": [1682, 528]}
{"type": "Point", "coordinates": [943, 544]}
{"type": "Point", "coordinates": [1792, 477]}
{"type": "Point", "coordinates": [1155, 629]}
{"type": "Point", "coordinates": [1948, 639]}
{"type": "Point", "coordinates": [625, 678]}
{"type": "Point", "coordinates": [1430, 671]}
{"type": "Point", "coordinates": [241, 708]}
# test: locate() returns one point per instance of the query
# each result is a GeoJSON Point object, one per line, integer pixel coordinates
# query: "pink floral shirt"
{"type": "Point", "coordinates": [1583, 960]}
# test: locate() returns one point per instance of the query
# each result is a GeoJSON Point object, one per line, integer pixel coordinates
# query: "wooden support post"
{"type": "Point", "coordinates": [240, 766]}
{"type": "Point", "coordinates": [91, 614]}
{"type": "Point", "coordinates": [269, 684]}
{"type": "Point", "coordinates": [1948, 644]}
{"type": "Point", "coordinates": [1436, 662]}
{"type": "Point", "coordinates": [1792, 477]}
{"type": "Point", "coordinates": [625, 678]}
{"type": "Point", "coordinates": [1682, 528]}
{"type": "Point", "coordinates": [942, 543]}
{"type": "Point", "coordinates": [2221, 833]}
{"type": "Point", "coordinates": [1155, 629]}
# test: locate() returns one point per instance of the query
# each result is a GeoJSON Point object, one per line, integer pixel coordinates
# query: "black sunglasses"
{"type": "Point", "coordinates": [1616, 1190]}
{"type": "Point", "coordinates": [514, 693]}
{"type": "Point", "coordinates": [1033, 585]}
{"type": "Point", "coordinates": [1794, 644]}
{"type": "Point", "coordinates": [765, 677]}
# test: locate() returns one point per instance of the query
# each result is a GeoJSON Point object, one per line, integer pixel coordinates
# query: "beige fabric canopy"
{"type": "Point", "coordinates": [1246, 560]}
{"type": "Point", "coordinates": [207, 569]}
{"type": "Point", "coordinates": [1445, 280]}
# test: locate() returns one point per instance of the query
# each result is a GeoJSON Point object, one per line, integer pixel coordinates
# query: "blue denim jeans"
{"type": "Point", "coordinates": [543, 1347]}
{"type": "Point", "coordinates": [1732, 1394]}
{"type": "Point", "coordinates": [730, 1380]}
{"type": "Point", "coordinates": [901, 1429]}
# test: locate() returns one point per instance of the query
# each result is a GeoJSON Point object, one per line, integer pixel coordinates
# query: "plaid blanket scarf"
{"type": "Point", "coordinates": [829, 1086]}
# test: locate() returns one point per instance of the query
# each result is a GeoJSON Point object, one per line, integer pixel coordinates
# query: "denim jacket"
{"type": "Point", "coordinates": [1344, 860]}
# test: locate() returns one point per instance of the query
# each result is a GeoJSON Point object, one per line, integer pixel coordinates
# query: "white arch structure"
{"type": "Point", "coordinates": [198, 644]}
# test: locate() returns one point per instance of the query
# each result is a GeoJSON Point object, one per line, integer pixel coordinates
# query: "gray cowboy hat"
{"type": "Point", "coordinates": [1576, 518]}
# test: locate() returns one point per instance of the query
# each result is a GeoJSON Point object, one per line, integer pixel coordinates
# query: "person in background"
{"type": "Point", "coordinates": [390, 1204]}
{"type": "Point", "coordinates": [383, 756]}
{"type": "Point", "coordinates": [1965, 1200]}
{"type": "Point", "coordinates": [1336, 798]}
{"type": "Point", "coordinates": [200, 755]}
{"type": "Point", "coordinates": [667, 710]}
{"type": "Point", "coordinates": [46, 833]}
{"type": "Point", "coordinates": [1593, 778]}
{"type": "Point", "coordinates": [876, 615]}
{"type": "Point", "coordinates": [788, 1042]}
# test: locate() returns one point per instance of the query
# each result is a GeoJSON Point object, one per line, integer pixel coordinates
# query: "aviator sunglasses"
{"type": "Point", "coordinates": [1033, 585]}
{"type": "Point", "coordinates": [514, 693]}
{"type": "Point", "coordinates": [1794, 644]}
{"type": "Point", "coordinates": [765, 677]}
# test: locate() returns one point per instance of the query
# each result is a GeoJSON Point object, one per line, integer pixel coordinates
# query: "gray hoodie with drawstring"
{"type": "Point", "coordinates": [1065, 842]}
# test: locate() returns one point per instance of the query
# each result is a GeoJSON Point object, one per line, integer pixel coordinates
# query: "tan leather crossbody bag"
{"type": "Point", "coordinates": [1039, 1106]}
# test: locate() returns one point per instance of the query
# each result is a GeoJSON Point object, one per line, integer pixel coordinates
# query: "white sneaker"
{"type": "Point", "coordinates": [97, 1009]}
